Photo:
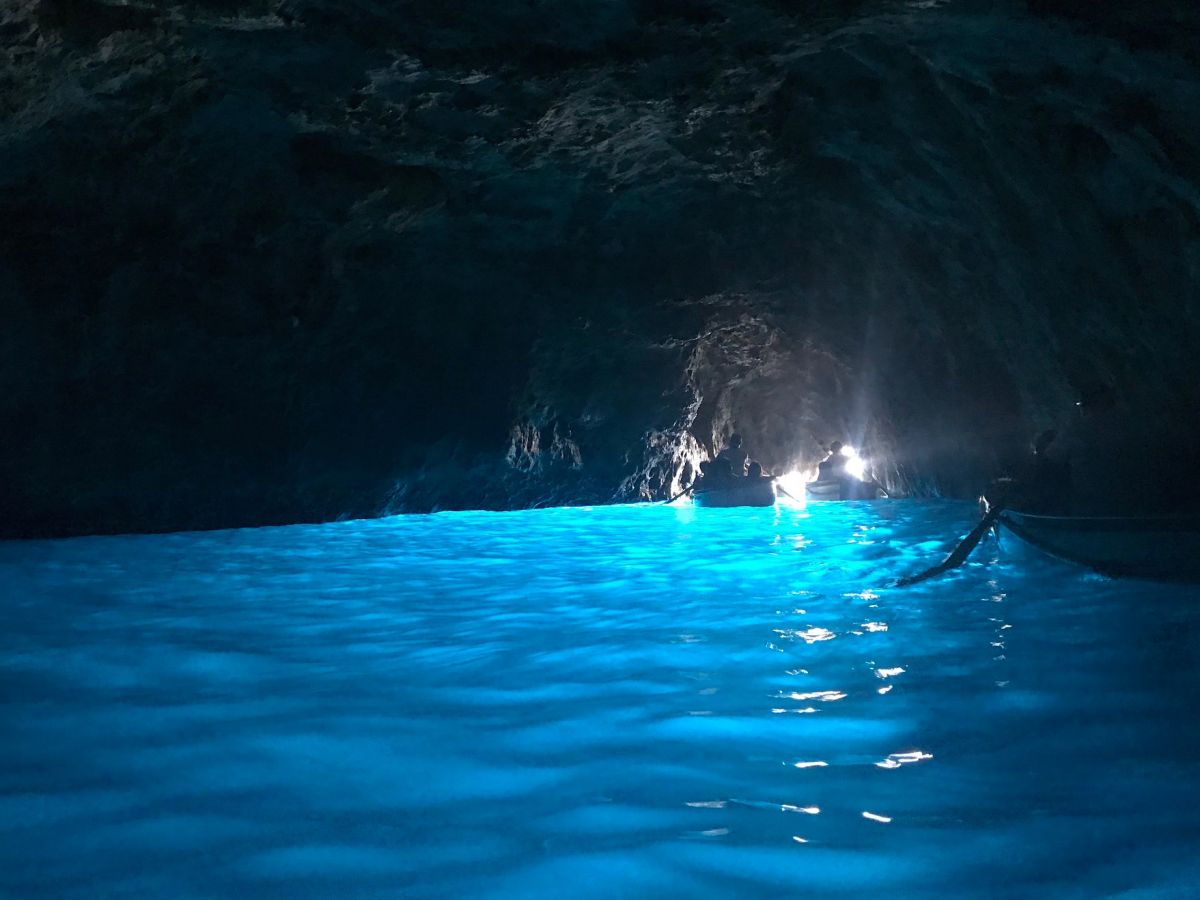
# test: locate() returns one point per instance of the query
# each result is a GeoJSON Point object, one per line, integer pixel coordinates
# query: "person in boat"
{"type": "Point", "coordinates": [1104, 461]}
{"type": "Point", "coordinates": [704, 479]}
{"type": "Point", "coordinates": [723, 472]}
{"type": "Point", "coordinates": [1108, 458]}
{"type": "Point", "coordinates": [1041, 486]}
{"type": "Point", "coordinates": [754, 470]}
{"type": "Point", "coordinates": [832, 466]}
{"type": "Point", "coordinates": [735, 455]}
{"type": "Point", "coordinates": [714, 473]}
{"type": "Point", "coordinates": [1047, 479]}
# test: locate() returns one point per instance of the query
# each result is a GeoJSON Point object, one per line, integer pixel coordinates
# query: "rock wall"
{"type": "Point", "coordinates": [278, 261]}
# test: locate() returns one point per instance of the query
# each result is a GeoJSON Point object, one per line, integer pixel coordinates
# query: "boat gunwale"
{"type": "Point", "coordinates": [1025, 526]}
{"type": "Point", "coordinates": [1109, 523]}
{"type": "Point", "coordinates": [758, 491]}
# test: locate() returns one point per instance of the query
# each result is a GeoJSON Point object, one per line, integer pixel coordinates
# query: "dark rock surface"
{"type": "Point", "coordinates": [271, 261]}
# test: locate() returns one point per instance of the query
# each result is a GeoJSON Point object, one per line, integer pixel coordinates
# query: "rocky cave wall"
{"type": "Point", "coordinates": [279, 261]}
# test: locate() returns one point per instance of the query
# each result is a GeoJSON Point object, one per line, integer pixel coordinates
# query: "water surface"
{"type": "Point", "coordinates": [627, 701]}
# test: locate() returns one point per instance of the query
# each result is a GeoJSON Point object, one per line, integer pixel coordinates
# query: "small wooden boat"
{"type": "Point", "coordinates": [737, 492]}
{"type": "Point", "coordinates": [1160, 548]}
{"type": "Point", "coordinates": [841, 489]}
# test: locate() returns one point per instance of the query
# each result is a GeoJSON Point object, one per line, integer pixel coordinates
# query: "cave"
{"type": "Point", "coordinates": [268, 263]}
{"type": "Point", "coordinates": [605, 448]}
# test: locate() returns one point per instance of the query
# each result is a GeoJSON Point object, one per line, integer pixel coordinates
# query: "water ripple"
{"type": "Point", "coordinates": [703, 702]}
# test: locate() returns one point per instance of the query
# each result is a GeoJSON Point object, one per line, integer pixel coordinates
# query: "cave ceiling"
{"type": "Point", "coordinates": [281, 261]}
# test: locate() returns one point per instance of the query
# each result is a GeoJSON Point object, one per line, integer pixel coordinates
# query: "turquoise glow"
{"type": "Point", "coordinates": [626, 701]}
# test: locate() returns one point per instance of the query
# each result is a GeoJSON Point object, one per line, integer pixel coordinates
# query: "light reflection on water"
{"type": "Point", "coordinates": [623, 700]}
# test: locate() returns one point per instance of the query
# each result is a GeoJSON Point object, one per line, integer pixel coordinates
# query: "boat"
{"type": "Point", "coordinates": [738, 492]}
{"type": "Point", "coordinates": [1159, 548]}
{"type": "Point", "coordinates": [841, 489]}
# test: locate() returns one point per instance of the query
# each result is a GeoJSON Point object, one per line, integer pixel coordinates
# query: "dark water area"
{"type": "Point", "coordinates": [612, 702]}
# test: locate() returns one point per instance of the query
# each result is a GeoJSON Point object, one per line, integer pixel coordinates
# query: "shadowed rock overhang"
{"type": "Point", "coordinates": [280, 261]}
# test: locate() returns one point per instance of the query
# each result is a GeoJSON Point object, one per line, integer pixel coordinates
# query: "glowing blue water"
{"type": "Point", "coordinates": [594, 703]}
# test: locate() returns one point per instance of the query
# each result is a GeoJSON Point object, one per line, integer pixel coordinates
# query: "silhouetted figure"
{"type": "Point", "coordinates": [1112, 458]}
{"type": "Point", "coordinates": [834, 465]}
{"type": "Point", "coordinates": [1109, 461]}
{"type": "Point", "coordinates": [754, 470]}
{"type": "Point", "coordinates": [1043, 484]}
{"type": "Point", "coordinates": [1048, 478]}
{"type": "Point", "coordinates": [714, 473]}
{"type": "Point", "coordinates": [734, 455]}
{"type": "Point", "coordinates": [722, 471]}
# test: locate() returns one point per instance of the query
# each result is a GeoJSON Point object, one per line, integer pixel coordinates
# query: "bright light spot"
{"type": "Point", "coordinates": [862, 595]}
{"type": "Point", "coordinates": [896, 760]}
{"type": "Point", "coordinates": [855, 464]}
{"type": "Point", "coordinates": [708, 804]}
{"type": "Point", "coordinates": [815, 764]}
{"type": "Point", "coordinates": [793, 483]}
{"type": "Point", "coordinates": [799, 840]}
{"type": "Point", "coordinates": [886, 688]}
{"type": "Point", "coordinates": [811, 810]}
{"type": "Point", "coordinates": [814, 634]}
{"type": "Point", "coordinates": [876, 818]}
{"type": "Point", "coordinates": [911, 756]}
{"type": "Point", "coordinates": [815, 695]}
{"type": "Point", "coordinates": [888, 673]}
{"type": "Point", "coordinates": [809, 635]}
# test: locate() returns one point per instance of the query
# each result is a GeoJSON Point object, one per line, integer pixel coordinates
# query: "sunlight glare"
{"type": "Point", "coordinates": [855, 465]}
{"type": "Point", "coordinates": [793, 483]}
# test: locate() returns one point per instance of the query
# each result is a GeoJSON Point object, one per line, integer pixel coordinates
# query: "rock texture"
{"type": "Point", "coordinates": [280, 260]}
